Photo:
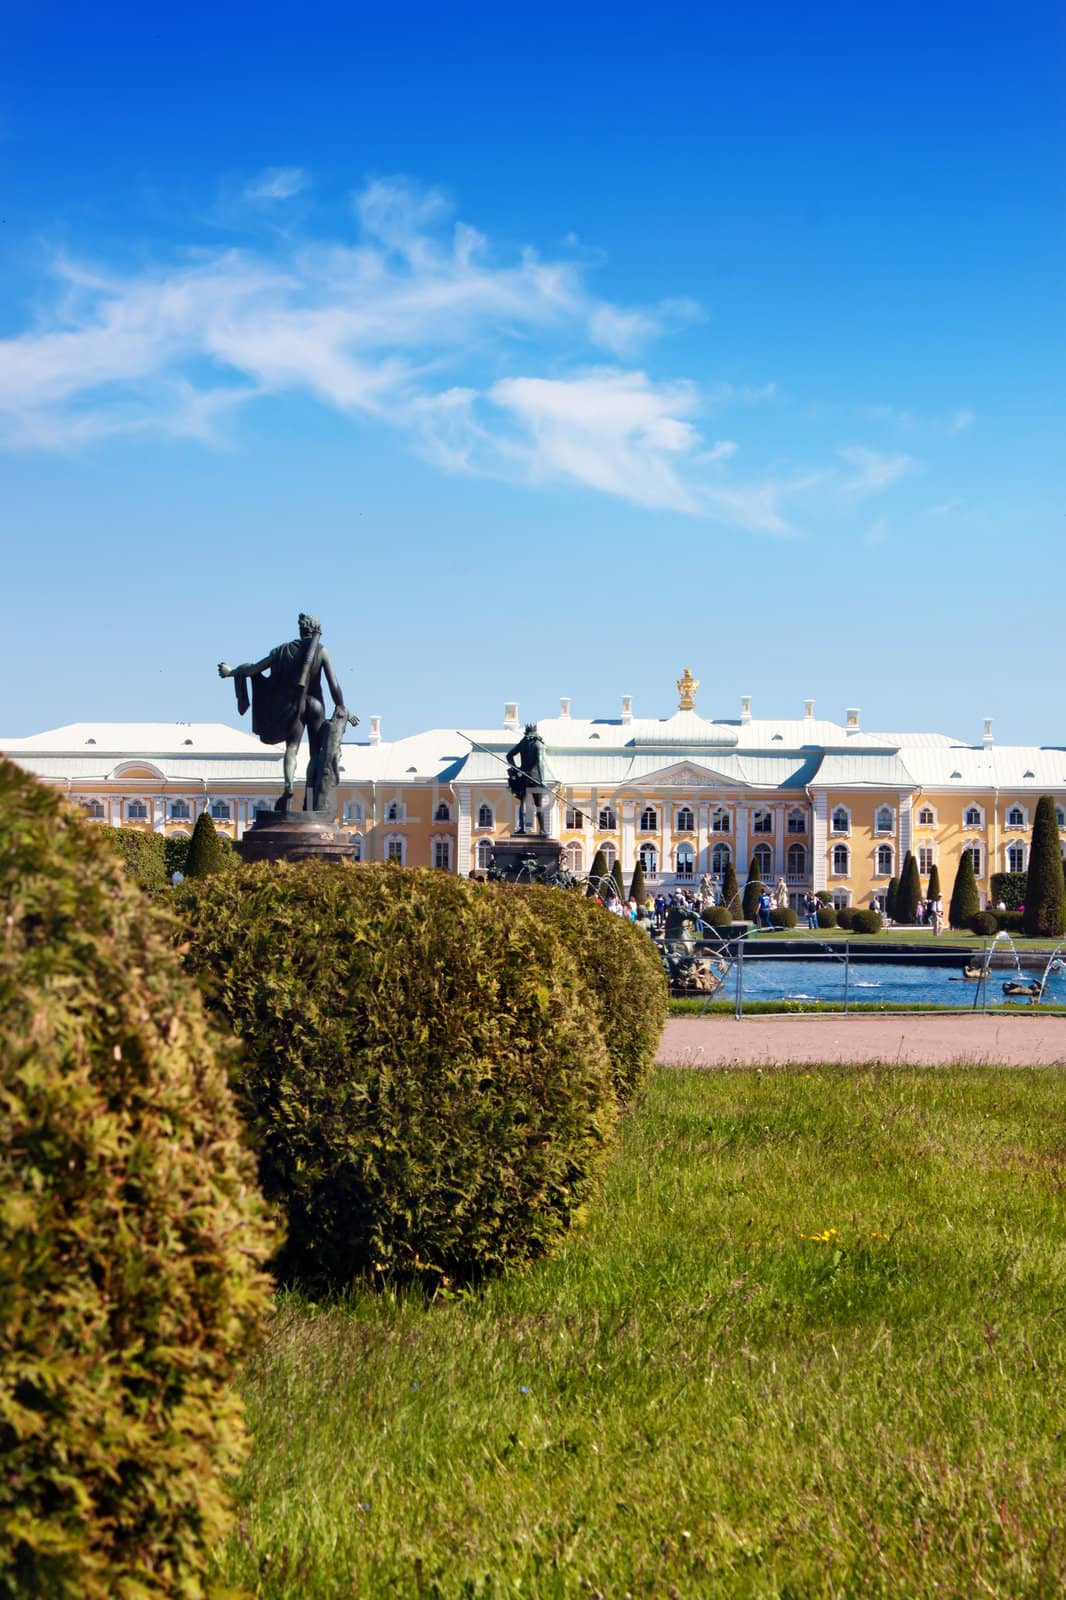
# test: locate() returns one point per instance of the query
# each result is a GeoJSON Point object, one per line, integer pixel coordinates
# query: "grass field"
{"type": "Point", "coordinates": [811, 1343]}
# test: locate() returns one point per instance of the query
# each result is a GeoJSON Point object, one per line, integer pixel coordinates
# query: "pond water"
{"type": "Point", "coordinates": [874, 982]}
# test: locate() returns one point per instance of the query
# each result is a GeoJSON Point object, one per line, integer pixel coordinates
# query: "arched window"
{"type": "Point", "coordinates": [392, 811]}
{"type": "Point", "coordinates": [484, 852]}
{"type": "Point", "coordinates": [762, 857]}
{"type": "Point", "coordinates": [649, 820]}
{"type": "Point", "coordinates": [396, 849]}
{"type": "Point", "coordinates": [840, 860]}
{"type": "Point", "coordinates": [220, 810]}
{"type": "Point", "coordinates": [179, 811]}
{"type": "Point", "coordinates": [608, 821]}
{"type": "Point", "coordinates": [796, 861]}
{"type": "Point", "coordinates": [1015, 818]}
{"type": "Point", "coordinates": [1016, 858]}
{"type": "Point", "coordinates": [1060, 816]}
{"type": "Point", "coordinates": [720, 820]}
{"type": "Point", "coordinates": [443, 812]}
{"type": "Point", "coordinates": [797, 821]}
{"type": "Point", "coordinates": [884, 861]}
{"type": "Point", "coordinates": [841, 898]}
{"type": "Point", "coordinates": [841, 820]}
{"type": "Point", "coordinates": [484, 816]}
{"type": "Point", "coordinates": [649, 858]}
{"type": "Point", "coordinates": [92, 808]}
{"type": "Point", "coordinates": [137, 811]}
{"type": "Point", "coordinates": [973, 850]}
{"type": "Point", "coordinates": [575, 858]}
{"type": "Point", "coordinates": [927, 817]}
{"type": "Point", "coordinates": [974, 817]}
{"type": "Point", "coordinates": [574, 818]}
{"type": "Point", "coordinates": [720, 858]}
{"type": "Point", "coordinates": [442, 854]}
{"type": "Point", "coordinates": [685, 859]}
{"type": "Point", "coordinates": [883, 819]}
{"type": "Point", "coordinates": [686, 822]}
{"type": "Point", "coordinates": [762, 822]}
{"type": "Point", "coordinates": [261, 809]}
{"type": "Point", "coordinates": [610, 855]}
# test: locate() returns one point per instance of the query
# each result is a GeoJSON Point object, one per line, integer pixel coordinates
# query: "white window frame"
{"type": "Point", "coordinates": [845, 852]}
{"type": "Point", "coordinates": [968, 821]}
{"type": "Point", "coordinates": [483, 855]}
{"type": "Point", "coordinates": [395, 849]}
{"type": "Point", "coordinates": [834, 828]}
{"type": "Point", "coordinates": [610, 853]}
{"type": "Point", "coordinates": [395, 811]}
{"type": "Point", "coordinates": [717, 857]}
{"type": "Point", "coordinates": [141, 814]}
{"type": "Point", "coordinates": [920, 821]}
{"type": "Point", "coordinates": [757, 818]}
{"type": "Point", "coordinates": [794, 871]}
{"type": "Point", "coordinates": [796, 815]}
{"type": "Point", "coordinates": [442, 806]}
{"type": "Point", "coordinates": [575, 857]}
{"type": "Point", "coordinates": [721, 821]}
{"type": "Point", "coordinates": [608, 821]}
{"type": "Point", "coordinates": [94, 808]}
{"type": "Point", "coordinates": [976, 847]}
{"type": "Point", "coordinates": [353, 811]}
{"type": "Point", "coordinates": [926, 857]}
{"type": "Point", "coordinates": [483, 807]}
{"type": "Point", "coordinates": [648, 856]}
{"type": "Point", "coordinates": [880, 828]}
{"type": "Point", "coordinates": [575, 817]}
{"type": "Point", "coordinates": [653, 825]}
{"type": "Point", "coordinates": [687, 853]}
{"type": "Point", "coordinates": [1060, 818]}
{"type": "Point", "coordinates": [1023, 816]}
{"type": "Point", "coordinates": [174, 815]}
{"type": "Point", "coordinates": [685, 827]}
{"type": "Point", "coordinates": [357, 844]}
{"type": "Point", "coordinates": [441, 844]}
{"type": "Point", "coordinates": [879, 870]}
{"type": "Point", "coordinates": [1015, 846]}
{"type": "Point", "coordinates": [763, 853]}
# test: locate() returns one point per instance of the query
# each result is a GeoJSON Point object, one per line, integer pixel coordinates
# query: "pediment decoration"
{"type": "Point", "coordinates": [137, 769]}
{"type": "Point", "coordinates": [686, 775]}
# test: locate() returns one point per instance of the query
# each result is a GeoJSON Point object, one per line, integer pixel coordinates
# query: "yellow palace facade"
{"type": "Point", "coordinates": [825, 805]}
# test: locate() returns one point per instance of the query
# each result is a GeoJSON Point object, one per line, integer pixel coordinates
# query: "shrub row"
{"type": "Point", "coordinates": [151, 859]}
{"type": "Point", "coordinates": [129, 1230]}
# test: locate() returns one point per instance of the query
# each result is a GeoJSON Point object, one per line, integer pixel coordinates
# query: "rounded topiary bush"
{"type": "Point", "coordinates": [846, 917]}
{"type": "Point", "coordinates": [426, 1081]}
{"type": "Point", "coordinates": [863, 921]}
{"type": "Point", "coordinates": [129, 1230]}
{"type": "Point", "coordinates": [984, 923]}
{"type": "Point", "coordinates": [827, 916]}
{"type": "Point", "coordinates": [717, 916]}
{"type": "Point", "coordinates": [783, 917]}
{"type": "Point", "coordinates": [623, 973]}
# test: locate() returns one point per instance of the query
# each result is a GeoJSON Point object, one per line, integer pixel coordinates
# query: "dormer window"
{"type": "Point", "coordinates": [926, 817]}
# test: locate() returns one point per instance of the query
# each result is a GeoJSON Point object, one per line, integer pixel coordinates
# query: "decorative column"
{"type": "Point", "coordinates": [906, 828]}
{"type": "Point", "coordinates": [742, 840]}
{"type": "Point", "coordinates": [779, 840]}
{"type": "Point", "coordinates": [159, 812]}
{"type": "Point", "coordinates": [667, 864]}
{"type": "Point", "coordinates": [463, 863]}
{"type": "Point", "coordinates": [819, 840]}
{"type": "Point", "coordinates": [627, 818]}
{"type": "Point", "coordinates": [703, 849]}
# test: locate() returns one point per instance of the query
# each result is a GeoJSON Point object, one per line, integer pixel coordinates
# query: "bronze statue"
{"type": "Point", "coordinates": [526, 775]}
{"type": "Point", "coordinates": [290, 700]}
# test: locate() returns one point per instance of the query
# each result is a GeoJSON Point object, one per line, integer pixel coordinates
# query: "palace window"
{"type": "Point", "coordinates": [720, 820]}
{"type": "Point", "coordinates": [443, 812]}
{"type": "Point", "coordinates": [261, 809]}
{"type": "Point", "coordinates": [974, 852]}
{"type": "Point", "coordinates": [841, 866]}
{"type": "Point", "coordinates": [649, 858]}
{"type": "Point", "coordinates": [356, 842]}
{"type": "Point", "coordinates": [884, 861]}
{"type": "Point", "coordinates": [797, 821]}
{"type": "Point", "coordinates": [575, 858]}
{"type": "Point", "coordinates": [393, 811]}
{"type": "Point", "coordinates": [442, 853]}
{"type": "Point", "coordinates": [137, 811]}
{"type": "Point", "coordinates": [762, 822]}
{"type": "Point", "coordinates": [1016, 858]}
{"type": "Point", "coordinates": [395, 850]}
{"type": "Point", "coordinates": [1015, 818]}
{"type": "Point", "coordinates": [973, 817]}
{"type": "Point", "coordinates": [925, 858]}
{"type": "Point", "coordinates": [883, 819]}
{"type": "Point", "coordinates": [610, 854]}
{"type": "Point", "coordinates": [484, 854]}
{"type": "Point", "coordinates": [841, 820]}
{"type": "Point", "coordinates": [927, 817]}
{"type": "Point", "coordinates": [649, 820]}
{"type": "Point", "coordinates": [796, 861]}
{"type": "Point", "coordinates": [841, 898]}
{"type": "Point", "coordinates": [686, 822]}
{"type": "Point", "coordinates": [1060, 817]}
{"type": "Point", "coordinates": [484, 816]}
{"type": "Point", "coordinates": [685, 859]}
{"type": "Point", "coordinates": [92, 808]}
{"type": "Point", "coordinates": [353, 811]}
{"type": "Point", "coordinates": [179, 811]}
{"type": "Point", "coordinates": [574, 818]}
{"type": "Point", "coordinates": [762, 857]}
{"type": "Point", "coordinates": [720, 858]}
{"type": "Point", "coordinates": [608, 821]}
{"type": "Point", "coordinates": [220, 810]}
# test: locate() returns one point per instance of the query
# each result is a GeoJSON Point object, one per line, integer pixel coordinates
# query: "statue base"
{"type": "Point", "coordinates": [295, 836]}
{"type": "Point", "coordinates": [526, 858]}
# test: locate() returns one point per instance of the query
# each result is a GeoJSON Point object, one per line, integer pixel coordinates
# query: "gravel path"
{"type": "Point", "coordinates": [922, 1040]}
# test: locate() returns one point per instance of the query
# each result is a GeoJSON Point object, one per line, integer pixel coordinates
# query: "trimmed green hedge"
{"type": "Point", "coordinates": [827, 916]}
{"type": "Point", "coordinates": [129, 1231]}
{"type": "Point", "coordinates": [428, 1088]}
{"type": "Point", "coordinates": [623, 976]}
{"type": "Point", "coordinates": [863, 921]}
{"type": "Point", "coordinates": [717, 917]}
{"type": "Point", "coordinates": [1008, 887]}
{"type": "Point", "coordinates": [846, 917]}
{"type": "Point", "coordinates": [143, 855]}
{"type": "Point", "coordinates": [783, 917]}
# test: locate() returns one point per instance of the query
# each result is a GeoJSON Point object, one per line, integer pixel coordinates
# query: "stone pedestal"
{"type": "Point", "coordinates": [295, 836]}
{"type": "Point", "coordinates": [526, 858]}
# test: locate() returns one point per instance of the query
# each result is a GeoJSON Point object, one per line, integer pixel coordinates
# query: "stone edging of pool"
{"type": "Point", "coordinates": [912, 1039]}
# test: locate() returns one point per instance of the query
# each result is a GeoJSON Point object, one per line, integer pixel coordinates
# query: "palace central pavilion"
{"type": "Point", "coordinates": [822, 804]}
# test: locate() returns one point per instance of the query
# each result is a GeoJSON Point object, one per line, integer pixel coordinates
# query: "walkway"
{"type": "Point", "coordinates": [925, 1040]}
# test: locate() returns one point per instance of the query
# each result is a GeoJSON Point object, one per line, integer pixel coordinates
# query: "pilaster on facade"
{"type": "Point", "coordinates": [666, 864]}
{"type": "Point", "coordinates": [159, 813]}
{"type": "Point", "coordinates": [627, 818]}
{"type": "Point", "coordinates": [703, 849]}
{"type": "Point", "coordinates": [819, 840]}
{"type": "Point", "coordinates": [905, 816]}
{"type": "Point", "coordinates": [742, 840]}
{"type": "Point", "coordinates": [779, 839]}
{"type": "Point", "coordinates": [462, 832]}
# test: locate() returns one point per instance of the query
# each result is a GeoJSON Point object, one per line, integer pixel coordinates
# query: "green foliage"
{"type": "Point", "coordinates": [752, 890]}
{"type": "Point", "coordinates": [964, 897]}
{"type": "Point", "coordinates": [933, 891]}
{"type": "Point", "coordinates": [827, 915]}
{"type": "Point", "coordinates": [623, 976]}
{"type": "Point", "coordinates": [1008, 921]}
{"type": "Point", "coordinates": [783, 917]}
{"type": "Point", "coordinates": [1008, 887]}
{"type": "Point", "coordinates": [597, 873]}
{"type": "Point", "coordinates": [731, 890]}
{"type": "Point", "coordinates": [129, 1228]}
{"type": "Point", "coordinates": [619, 882]}
{"type": "Point", "coordinates": [864, 921]}
{"type": "Point", "coordinates": [891, 900]}
{"type": "Point", "coordinates": [143, 854]}
{"type": "Point", "coordinates": [909, 892]}
{"type": "Point", "coordinates": [1045, 893]}
{"type": "Point", "coordinates": [985, 923]}
{"type": "Point", "coordinates": [717, 917]}
{"type": "Point", "coordinates": [637, 888]}
{"type": "Point", "coordinates": [429, 1091]}
{"type": "Point", "coordinates": [175, 854]}
{"type": "Point", "coordinates": [846, 918]}
{"type": "Point", "coordinates": [205, 849]}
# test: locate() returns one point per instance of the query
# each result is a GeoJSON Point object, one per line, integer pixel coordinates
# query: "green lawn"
{"type": "Point", "coordinates": [811, 1343]}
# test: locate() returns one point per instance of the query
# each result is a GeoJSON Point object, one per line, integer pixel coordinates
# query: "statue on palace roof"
{"type": "Point", "coordinates": [687, 688]}
{"type": "Point", "coordinates": [287, 700]}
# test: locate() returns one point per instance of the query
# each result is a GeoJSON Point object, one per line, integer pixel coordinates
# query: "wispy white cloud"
{"type": "Point", "coordinates": [876, 533]}
{"type": "Point", "coordinates": [962, 420]}
{"type": "Point", "coordinates": [276, 183]}
{"type": "Point", "coordinates": [871, 470]}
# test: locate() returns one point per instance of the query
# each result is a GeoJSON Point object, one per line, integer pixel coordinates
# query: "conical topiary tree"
{"type": "Point", "coordinates": [909, 891]}
{"type": "Point", "coordinates": [730, 889]}
{"type": "Point", "coordinates": [597, 873]}
{"type": "Point", "coordinates": [205, 851]}
{"type": "Point", "coordinates": [933, 892]}
{"type": "Point", "coordinates": [619, 881]}
{"type": "Point", "coordinates": [964, 898]}
{"type": "Point", "coordinates": [1045, 899]}
{"type": "Point", "coordinates": [891, 896]}
{"type": "Point", "coordinates": [752, 890]}
{"type": "Point", "coordinates": [637, 888]}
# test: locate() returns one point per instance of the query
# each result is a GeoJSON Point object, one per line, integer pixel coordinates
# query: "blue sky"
{"type": "Point", "coordinates": [539, 350]}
